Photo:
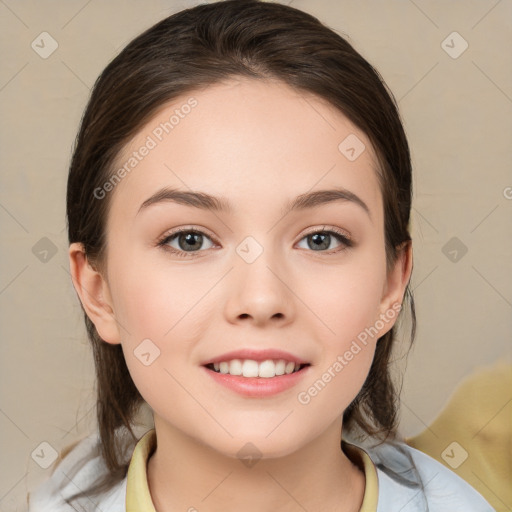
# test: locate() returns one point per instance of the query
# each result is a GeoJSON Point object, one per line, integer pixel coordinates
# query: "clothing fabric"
{"type": "Point", "coordinates": [138, 496]}
{"type": "Point", "coordinates": [394, 473]}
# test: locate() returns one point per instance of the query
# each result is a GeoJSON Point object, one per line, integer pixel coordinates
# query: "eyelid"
{"type": "Point", "coordinates": [188, 227]}
{"type": "Point", "coordinates": [328, 228]}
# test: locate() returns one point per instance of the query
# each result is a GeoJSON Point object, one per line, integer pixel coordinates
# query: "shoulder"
{"type": "Point", "coordinates": [411, 481]}
{"type": "Point", "coordinates": [79, 467]}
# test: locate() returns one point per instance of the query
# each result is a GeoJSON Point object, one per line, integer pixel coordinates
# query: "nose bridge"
{"type": "Point", "coordinates": [257, 289]}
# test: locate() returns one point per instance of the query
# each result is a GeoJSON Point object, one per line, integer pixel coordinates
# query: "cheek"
{"type": "Point", "coordinates": [349, 311]}
{"type": "Point", "coordinates": [158, 310]}
{"type": "Point", "coordinates": [156, 301]}
{"type": "Point", "coordinates": [335, 385]}
{"type": "Point", "coordinates": [344, 300]}
{"type": "Point", "coordinates": [346, 306]}
{"type": "Point", "coordinates": [161, 312]}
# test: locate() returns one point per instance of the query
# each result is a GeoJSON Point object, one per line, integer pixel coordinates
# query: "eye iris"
{"type": "Point", "coordinates": [190, 238]}
{"type": "Point", "coordinates": [319, 240]}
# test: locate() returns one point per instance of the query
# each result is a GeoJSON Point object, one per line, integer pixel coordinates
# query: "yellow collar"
{"type": "Point", "coordinates": [138, 496]}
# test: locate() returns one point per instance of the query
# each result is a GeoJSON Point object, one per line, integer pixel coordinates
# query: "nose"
{"type": "Point", "coordinates": [260, 292]}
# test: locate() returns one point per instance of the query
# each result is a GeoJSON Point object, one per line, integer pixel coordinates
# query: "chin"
{"type": "Point", "coordinates": [248, 446]}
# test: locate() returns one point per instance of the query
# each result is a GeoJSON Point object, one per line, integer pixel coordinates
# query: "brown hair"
{"type": "Point", "coordinates": [190, 50]}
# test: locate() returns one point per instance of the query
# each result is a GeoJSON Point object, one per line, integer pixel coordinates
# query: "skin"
{"type": "Point", "coordinates": [258, 144]}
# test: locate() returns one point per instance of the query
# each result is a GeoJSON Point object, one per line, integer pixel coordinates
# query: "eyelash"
{"type": "Point", "coordinates": [162, 242]}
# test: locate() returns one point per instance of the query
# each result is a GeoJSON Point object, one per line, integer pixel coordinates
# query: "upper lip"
{"type": "Point", "coordinates": [256, 355]}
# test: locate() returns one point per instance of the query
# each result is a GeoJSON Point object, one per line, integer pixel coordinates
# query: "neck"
{"type": "Point", "coordinates": [184, 474]}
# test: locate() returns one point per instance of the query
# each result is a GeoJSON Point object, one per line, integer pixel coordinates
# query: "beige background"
{"type": "Point", "coordinates": [457, 114]}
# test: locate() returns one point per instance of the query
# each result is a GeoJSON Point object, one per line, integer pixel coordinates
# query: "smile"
{"type": "Point", "coordinates": [251, 368]}
{"type": "Point", "coordinates": [255, 379]}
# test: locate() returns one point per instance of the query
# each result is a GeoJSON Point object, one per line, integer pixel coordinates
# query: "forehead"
{"type": "Point", "coordinates": [250, 141]}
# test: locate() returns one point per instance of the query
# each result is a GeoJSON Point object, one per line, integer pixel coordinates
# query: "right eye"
{"type": "Point", "coordinates": [185, 239]}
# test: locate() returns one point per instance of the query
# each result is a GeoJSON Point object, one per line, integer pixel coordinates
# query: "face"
{"type": "Point", "coordinates": [256, 280]}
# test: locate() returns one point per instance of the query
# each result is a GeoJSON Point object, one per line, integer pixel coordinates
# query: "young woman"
{"type": "Point", "coordinates": [238, 208]}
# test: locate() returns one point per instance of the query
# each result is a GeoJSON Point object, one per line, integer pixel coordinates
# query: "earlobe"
{"type": "Point", "coordinates": [94, 294]}
{"type": "Point", "coordinates": [396, 283]}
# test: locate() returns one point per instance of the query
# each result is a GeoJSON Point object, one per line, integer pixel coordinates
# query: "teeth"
{"type": "Point", "coordinates": [235, 367]}
{"type": "Point", "coordinates": [250, 368]}
{"type": "Point", "coordinates": [289, 367]}
{"type": "Point", "coordinates": [280, 367]}
{"type": "Point", "coordinates": [267, 369]}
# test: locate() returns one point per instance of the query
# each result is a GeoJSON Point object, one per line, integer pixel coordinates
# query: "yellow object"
{"type": "Point", "coordinates": [472, 435]}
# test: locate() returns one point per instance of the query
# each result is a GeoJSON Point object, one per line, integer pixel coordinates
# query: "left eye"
{"type": "Point", "coordinates": [319, 240]}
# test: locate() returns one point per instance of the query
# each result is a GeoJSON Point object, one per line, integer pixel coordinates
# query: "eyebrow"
{"type": "Point", "coordinates": [208, 202]}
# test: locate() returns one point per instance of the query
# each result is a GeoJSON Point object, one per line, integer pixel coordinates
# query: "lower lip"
{"type": "Point", "coordinates": [258, 387]}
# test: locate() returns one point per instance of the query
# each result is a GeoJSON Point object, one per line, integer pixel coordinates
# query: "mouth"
{"type": "Point", "coordinates": [250, 368]}
{"type": "Point", "coordinates": [257, 379]}
{"type": "Point", "coordinates": [257, 373]}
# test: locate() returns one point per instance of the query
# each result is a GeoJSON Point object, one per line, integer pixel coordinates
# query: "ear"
{"type": "Point", "coordinates": [394, 289]}
{"type": "Point", "coordinates": [94, 294]}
